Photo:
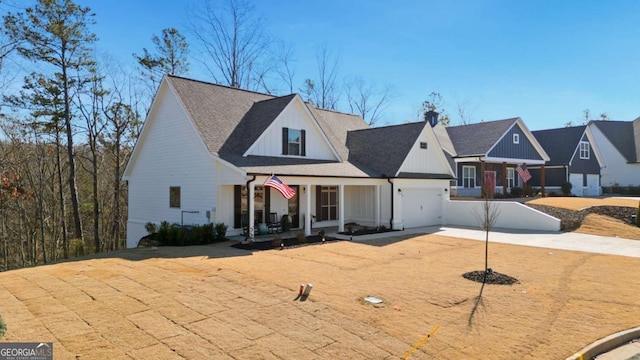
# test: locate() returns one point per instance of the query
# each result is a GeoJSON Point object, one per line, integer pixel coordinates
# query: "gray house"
{"type": "Point", "coordinates": [574, 159]}
{"type": "Point", "coordinates": [489, 153]}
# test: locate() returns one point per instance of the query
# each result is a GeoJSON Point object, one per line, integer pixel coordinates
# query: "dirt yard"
{"type": "Point", "coordinates": [217, 302]}
{"type": "Point", "coordinates": [596, 224]}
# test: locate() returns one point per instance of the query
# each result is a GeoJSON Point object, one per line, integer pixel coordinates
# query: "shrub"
{"type": "Point", "coordinates": [638, 215]}
{"type": "Point", "coordinates": [301, 238]}
{"type": "Point", "coordinates": [163, 232]}
{"type": "Point", "coordinates": [566, 188]}
{"type": "Point", "coordinates": [221, 231]}
{"type": "Point", "coordinates": [529, 190]}
{"type": "Point", "coordinates": [151, 228]}
{"type": "Point", "coordinates": [516, 191]}
{"type": "Point", "coordinates": [3, 327]}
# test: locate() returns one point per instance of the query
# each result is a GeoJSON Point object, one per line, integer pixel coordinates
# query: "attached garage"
{"type": "Point", "coordinates": [421, 207]}
{"type": "Point", "coordinates": [593, 185]}
{"type": "Point", "coordinates": [577, 184]}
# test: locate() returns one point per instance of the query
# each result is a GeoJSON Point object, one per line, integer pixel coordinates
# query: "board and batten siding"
{"type": "Point", "coordinates": [294, 116]}
{"type": "Point", "coordinates": [506, 149]}
{"type": "Point", "coordinates": [172, 155]}
{"type": "Point", "coordinates": [360, 205]}
{"type": "Point", "coordinates": [426, 161]}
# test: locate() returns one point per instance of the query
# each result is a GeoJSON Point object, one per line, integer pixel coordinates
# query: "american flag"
{"type": "Point", "coordinates": [282, 188]}
{"type": "Point", "coordinates": [525, 175]}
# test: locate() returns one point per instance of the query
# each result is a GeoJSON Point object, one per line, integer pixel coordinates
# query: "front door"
{"type": "Point", "coordinates": [294, 205]}
{"type": "Point", "coordinates": [489, 183]}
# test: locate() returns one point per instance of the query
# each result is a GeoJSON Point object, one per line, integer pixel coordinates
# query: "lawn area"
{"type": "Point", "coordinates": [219, 302]}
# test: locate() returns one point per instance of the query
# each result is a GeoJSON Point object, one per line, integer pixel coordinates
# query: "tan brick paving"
{"type": "Point", "coordinates": [216, 302]}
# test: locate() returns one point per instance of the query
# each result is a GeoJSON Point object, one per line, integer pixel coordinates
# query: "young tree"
{"type": "Point", "coordinates": [170, 57]}
{"type": "Point", "coordinates": [56, 33]}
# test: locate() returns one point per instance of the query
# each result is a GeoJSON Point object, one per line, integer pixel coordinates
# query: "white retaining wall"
{"type": "Point", "coordinates": [510, 215]}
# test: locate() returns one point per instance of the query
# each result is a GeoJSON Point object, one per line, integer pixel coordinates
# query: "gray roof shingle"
{"type": "Point", "coordinates": [383, 149]}
{"type": "Point", "coordinates": [477, 139]}
{"type": "Point", "coordinates": [560, 144]}
{"type": "Point", "coordinates": [621, 135]}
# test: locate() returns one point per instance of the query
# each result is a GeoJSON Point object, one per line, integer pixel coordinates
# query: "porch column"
{"type": "Point", "coordinates": [377, 205]}
{"type": "Point", "coordinates": [542, 180]}
{"type": "Point", "coordinates": [504, 178]}
{"type": "Point", "coordinates": [341, 208]}
{"type": "Point", "coordinates": [307, 211]}
{"type": "Point", "coordinates": [251, 191]}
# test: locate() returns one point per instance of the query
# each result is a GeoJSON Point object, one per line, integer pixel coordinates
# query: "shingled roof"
{"type": "Point", "coordinates": [477, 139]}
{"type": "Point", "coordinates": [560, 144]}
{"type": "Point", "coordinates": [624, 135]}
{"type": "Point", "coordinates": [384, 149]}
{"type": "Point", "coordinates": [230, 120]}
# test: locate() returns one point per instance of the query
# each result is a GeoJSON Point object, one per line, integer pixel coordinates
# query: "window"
{"type": "Point", "coordinates": [584, 150]}
{"type": "Point", "coordinates": [516, 138]}
{"type": "Point", "coordinates": [469, 176]}
{"type": "Point", "coordinates": [329, 203]}
{"type": "Point", "coordinates": [423, 145]}
{"type": "Point", "coordinates": [174, 196]}
{"type": "Point", "coordinates": [511, 178]}
{"type": "Point", "coordinates": [294, 142]}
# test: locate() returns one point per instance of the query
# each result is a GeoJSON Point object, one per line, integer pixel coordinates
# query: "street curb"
{"type": "Point", "coordinates": [606, 344]}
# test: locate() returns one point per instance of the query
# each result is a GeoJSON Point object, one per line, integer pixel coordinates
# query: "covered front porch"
{"type": "Point", "coordinates": [497, 177]}
{"type": "Point", "coordinates": [327, 203]}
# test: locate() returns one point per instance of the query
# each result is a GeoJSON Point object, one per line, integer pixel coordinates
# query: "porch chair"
{"type": "Point", "coordinates": [274, 224]}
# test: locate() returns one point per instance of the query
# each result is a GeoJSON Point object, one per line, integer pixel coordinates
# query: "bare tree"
{"type": "Point", "coordinates": [325, 89]}
{"type": "Point", "coordinates": [367, 99]}
{"type": "Point", "coordinates": [465, 111]}
{"type": "Point", "coordinates": [284, 65]}
{"type": "Point", "coordinates": [233, 41]}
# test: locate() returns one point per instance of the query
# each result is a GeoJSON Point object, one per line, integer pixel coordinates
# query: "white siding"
{"type": "Point", "coordinates": [294, 116]}
{"type": "Point", "coordinates": [615, 169]}
{"type": "Point", "coordinates": [430, 160]}
{"type": "Point", "coordinates": [359, 204]}
{"type": "Point", "coordinates": [170, 154]}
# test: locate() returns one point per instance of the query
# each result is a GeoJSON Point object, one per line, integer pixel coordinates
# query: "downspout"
{"type": "Point", "coordinates": [392, 201]}
{"type": "Point", "coordinates": [250, 226]}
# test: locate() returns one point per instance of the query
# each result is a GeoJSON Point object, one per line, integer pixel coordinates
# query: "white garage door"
{"type": "Point", "coordinates": [593, 185]}
{"type": "Point", "coordinates": [421, 207]}
{"type": "Point", "coordinates": [577, 184]}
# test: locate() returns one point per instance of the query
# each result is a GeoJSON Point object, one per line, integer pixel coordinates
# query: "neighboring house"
{"type": "Point", "coordinates": [206, 150]}
{"type": "Point", "coordinates": [489, 152]}
{"type": "Point", "coordinates": [619, 146]}
{"type": "Point", "coordinates": [574, 158]}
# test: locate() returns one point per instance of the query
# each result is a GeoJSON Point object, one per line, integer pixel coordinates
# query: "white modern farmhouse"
{"type": "Point", "coordinates": [206, 151]}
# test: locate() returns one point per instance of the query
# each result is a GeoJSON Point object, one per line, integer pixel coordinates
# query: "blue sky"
{"type": "Point", "coordinates": [544, 61]}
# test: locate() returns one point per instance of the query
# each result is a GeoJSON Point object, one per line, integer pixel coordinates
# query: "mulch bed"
{"type": "Point", "coordinates": [493, 277]}
{"type": "Point", "coordinates": [286, 243]}
{"type": "Point", "coordinates": [365, 231]}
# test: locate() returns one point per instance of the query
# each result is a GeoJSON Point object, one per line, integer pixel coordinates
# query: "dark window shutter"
{"type": "Point", "coordinates": [303, 143]}
{"type": "Point", "coordinates": [237, 206]}
{"type": "Point", "coordinates": [319, 203]}
{"type": "Point", "coordinates": [285, 141]}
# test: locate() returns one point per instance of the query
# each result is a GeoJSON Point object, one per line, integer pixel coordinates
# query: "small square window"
{"type": "Point", "coordinates": [516, 138]}
{"type": "Point", "coordinates": [423, 145]}
{"type": "Point", "coordinates": [174, 197]}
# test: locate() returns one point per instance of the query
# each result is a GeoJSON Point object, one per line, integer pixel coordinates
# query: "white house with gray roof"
{"type": "Point", "coordinates": [619, 145]}
{"type": "Point", "coordinates": [206, 150]}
